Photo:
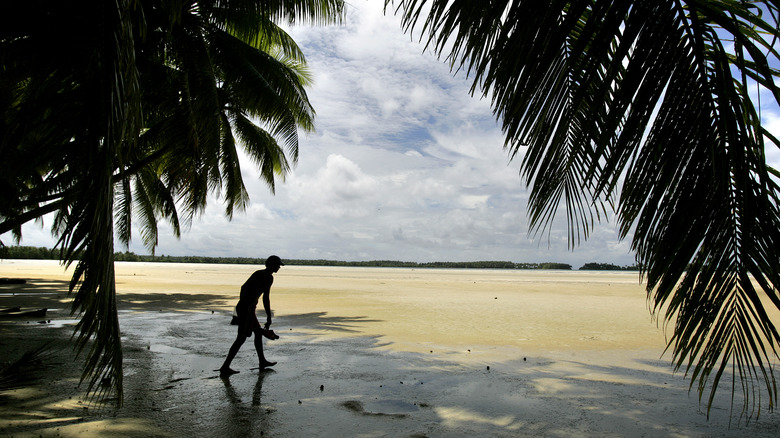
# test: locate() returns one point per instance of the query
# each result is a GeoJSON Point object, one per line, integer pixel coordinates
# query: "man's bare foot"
{"type": "Point", "coordinates": [265, 364]}
{"type": "Point", "coordinates": [224, 372]}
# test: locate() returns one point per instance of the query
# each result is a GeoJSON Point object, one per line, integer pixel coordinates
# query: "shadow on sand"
{"type": "Point", "coordinates": [324, 321]}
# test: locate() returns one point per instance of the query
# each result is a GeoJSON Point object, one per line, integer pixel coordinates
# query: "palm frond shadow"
{"type": "Point", "coordinates": [31, 367]}
{"type": "Point", "coordinates": [36, 285]}
{"type": "Point", "coordinates": [321, 321]}
{"type": "Point", "coordinates": [170, 302]}
{"type": "Point", "coordinates": [36, 292]}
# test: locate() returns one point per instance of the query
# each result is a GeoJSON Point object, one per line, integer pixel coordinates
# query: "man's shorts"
{"type": "Point", "coordinates": [247, 320]}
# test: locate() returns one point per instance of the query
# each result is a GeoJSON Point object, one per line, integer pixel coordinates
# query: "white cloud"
{"type": "Point", "coordinates": [474, 201]}
{"type": "Point", "coordinates": [339, 189]}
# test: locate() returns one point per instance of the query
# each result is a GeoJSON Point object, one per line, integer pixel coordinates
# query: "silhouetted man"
{"type": "Point", "coordinates": [258, 285]}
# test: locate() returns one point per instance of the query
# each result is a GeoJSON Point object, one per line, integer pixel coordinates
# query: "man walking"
{"type": "Point", "coordinates": [258, 285]}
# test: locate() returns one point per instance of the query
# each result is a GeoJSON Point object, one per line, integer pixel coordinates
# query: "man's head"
{"type": "Point", "coordinates": [273, 262]}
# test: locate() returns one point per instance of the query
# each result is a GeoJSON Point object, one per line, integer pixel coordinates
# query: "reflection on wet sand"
{"type": "Point", "coordinates": [247, 419]}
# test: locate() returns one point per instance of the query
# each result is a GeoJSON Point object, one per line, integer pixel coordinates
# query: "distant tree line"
{"type": "Point", "coordinates": [29, 252]}
{"type": "Point", "coordinates": [450, 265]}
{"type": "Point", "coordinates": [41, 253]}
{"type": "Point", "coordinates": [607, 267]}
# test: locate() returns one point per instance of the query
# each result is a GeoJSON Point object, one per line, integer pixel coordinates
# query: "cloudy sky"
{"type": "Point", "coordinates": [404, 165]}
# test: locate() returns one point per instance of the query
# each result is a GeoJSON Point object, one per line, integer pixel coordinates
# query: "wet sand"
{"type": "Point", "coordinates": [367, 352]}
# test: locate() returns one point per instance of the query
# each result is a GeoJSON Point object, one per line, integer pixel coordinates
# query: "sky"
{"type": "Point", "coordinates": [404, 165]}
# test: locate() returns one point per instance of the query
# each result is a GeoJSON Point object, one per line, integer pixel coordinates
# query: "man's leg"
{"type": "Point", "coordinates": [225, 369]}
{"type": "Point", "coordinates": [259, 347]}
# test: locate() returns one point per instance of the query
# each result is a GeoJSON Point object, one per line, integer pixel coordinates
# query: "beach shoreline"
{"type": "Point", "coordinates": [368, 352]}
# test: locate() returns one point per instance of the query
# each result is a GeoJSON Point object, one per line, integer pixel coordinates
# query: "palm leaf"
{"type": "Point", "coordinates": [632, 107]}
{"type": "Point", "coordinates": [235, 192]}
{"type": "Point", "coordinates": [263, 149]}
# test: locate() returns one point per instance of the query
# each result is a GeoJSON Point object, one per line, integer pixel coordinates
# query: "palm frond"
{"type": "Point", "coordinates": [317, 12]}
{"type": "Point", "coordinates": [277, 95]}
{"type": "Point", "coordinates": [632, 107]}
{"type": "Point", "coordinates": [146, 211]}
{"type": "Point", "coordinates": [88, 237]}
{"type": "Point", "coordinates": [124, 210]}
{"type": "Point", "coordinates": [236, 196]}
{"type": "Point", "coordinates": [263, 34]}
{"type": "Point", "coordinates": [263, 149]}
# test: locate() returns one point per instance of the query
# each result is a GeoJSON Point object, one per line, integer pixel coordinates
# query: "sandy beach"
{"type": "Point", "coordinates": [367, 352]}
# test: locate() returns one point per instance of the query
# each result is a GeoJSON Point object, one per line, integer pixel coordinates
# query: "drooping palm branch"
{"type": "Point", "coordinates": [69, 115]}
{"type": "Point", "coordinates": [644, 109]}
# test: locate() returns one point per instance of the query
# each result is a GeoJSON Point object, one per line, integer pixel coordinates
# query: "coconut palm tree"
{"type": "Point", "coordinates": [648, 111]}
{"type": "Point", "coordinates": [185, 151]}
{"type": "Point", "coordinates": [136, 109]}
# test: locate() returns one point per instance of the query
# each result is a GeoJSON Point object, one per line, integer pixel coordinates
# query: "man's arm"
{"type": "Point", "coordinates": [267, 307]}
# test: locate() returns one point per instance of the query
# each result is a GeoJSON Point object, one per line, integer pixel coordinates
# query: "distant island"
{"type": "Point", "coordinates": [41, 253]}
